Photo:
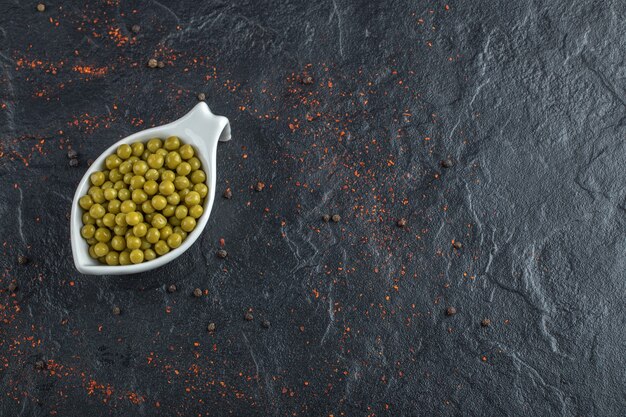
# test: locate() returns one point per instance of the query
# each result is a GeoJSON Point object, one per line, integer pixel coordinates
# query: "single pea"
{"type": "Point", "coordinates": [124, 151]}
{"type": "Point", "coordinates": [172, 143]}
{"type": "Point", "coordinates": [181, 212]}
{"type": "Point", "coordinates": [183, 168]}
{"type": "Point", "coordinates": [127, 177]}
{"type": "Point", "coordinates": [186, 152]}
{"type": "Point", "coordinates": [123, 194]}
{"type": "Point", "coordinates": [161, 152]}
{"type": "Point", "coordinates": [125, 167]}
{"type": "Point", "coordinates": [146, 207]}
{"type": "Point", "coordinates": [97, 178]}
{"type": "Point", "coordinates": [183, 193]}
{"type": "Point", "coordinates": [114, 206]}
{"type": "Point", "coordinates": [119, 185]}
{"type": "Point", "coordinates": [118, 243]}
{"type": "Point", "coordinates": [85, 202]}
{"type": "Point", "coordinates": [87, 219]}
{"type": "Point", "coordinates": [112, 258]}
{"type": "Point", "coordinates": [134, 159]}
{"type": "Point", "coordinates": [102, 234]}
{"type": "Point", "coordinates": [128, 206]}
{"type": "Point", "coordinates": [91, 252]}
{"type": "Point", "coordinates": [115, 175]}
{"type": "Point", "coordinates": [159, 221]}
{"type": "Point", "coordinates": [133, 218]}
{"type": "Point", "coordinates": [120, 219]}
{"type": "Point", "coordinates": [136, 256]}
{"type": "Point", "coordinates": [97, 211]}
{"type": "Point", "coordinates": [148, 217]}
{"type": "Point", "coordinates": [198, 177]}
{"type": "Point", "coordinates": [124, 258]}
{"type": "Point", "coordinates": [149, 254]}
{"type": "Point", "coordinates": [159, 202]}
{"type": "Point", "coordinates": [110, 194]}
{"type": "Point", "coordinates": [168, 175]}
{"type": "Point", "coordinates": [174, 240]}
{"type": "Point", "coordinates": [181, 183]}
{"type": "Point", "coordinates": [145, 155]}
{"type": "Point", "coordinates": [87, 231]}
{"type": "Point", "coordinates": [99, 223]}
{"type": "Point", "coordinates": [188, 224]}
{"type": "Point", "coordinates": [180, 231]}
{"type": "Point", "coordinates": [140, 229]}
{"type": "Point", "coordinates": [161, 247]}
{"type": "Point", "coordinates": [155, 161]}
{"type": "Point", "coordinates": [109, 220]}
{"type": "Point", "coordinates": [166, 232]}
{"type": "Point", "coordinates": [166, 188]}
{"type": "Point", "coordinates": [97, 195]}
{"type": "Point", "coordinates": [133, 242]}
{"type": "Point", "coordinates": [106, 173]}
{"type": "Point", "coordinates": [106, 185]}
{"type": "Point", "coordinates": [195, 163]}
{"type": "Point", "coordinates": [145, 244]}
{"type": "Point", "coordinates": [153, 235]}
{"type": "Point", "coordinates": [152, 174]}
{"type": "Point", "coordinates": [137, 182]}
{"type": "Point", "coordinates": [100, 249]}
{"type": "Point", "coordinates": [154, 144]}
{"type": "Point", "coordinates": [196, 211]}
{"type": "Point", "coordinates": [151, 187]}
{"type": "Point", "coordinates": [172, 160]}
{"type": "Point", "coordinates": [120, 230]}
{"type": "Point", "coordinates": [140, 167]}
{"type": "Point", "coordinates": [139, 196]}
{"type": "Point", "coordinates": [201, 189]}
{"type": "Point", "coordinates": [192, 198]}
{"type": "Point", "coordinates": [173, 199]}
{"type": "Point", "coordinates": [92, 241]}
{"type": "Point", "coordinates": [168, 211]}
{"type": "Point", "coordinates": [137, 148]}
{"type": "Point", "coordinates": [173, 221]}
{"type": "Point", "coordinates": [112, 161]}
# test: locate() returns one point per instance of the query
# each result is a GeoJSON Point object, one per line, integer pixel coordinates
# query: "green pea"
{"type": "Point", "coordinates": [145, 244]}
{"type": "Point", "coordinates": [120, 219]}
{"type": "Point", "coordinates": [145, 155]}
{"type": "Point", "coordinates": [168, 211]}
{"type": "Point", "coordinates": [173, 221]}
{"type": "Point", "coordinates": [99, 223]}
{"type": "Point", "coordinates": [97, 211]}
{"type": "Point", "coordinates": [107, 184]}
{"type": "Point", "coordinates": [109, 220]}
{"type": "Point", "coordinates": [125, 167]}
{"type": "Point", "coordinates": [149, 254]}
{"type": "Point", "coordinates": [119, 185]}
{"type": "Point", "coordinates": [183, 168]}
{"type": "Point", "coordinates": [133, 242]}
{"type": "Point", "coordinates": [172, 160]}
{"type": "Point", "coordinates": [154, 144]}
{"type": "Point", "coordinates": [188, 224]}
{"type": "Point", "coordinates": [186, 152]}
{"type": "Point", "coordinates": [110, 194]}
{"type": "Point", "coordinates": [87, 219]}
{"type": "Point", "coordinates": [153, 235]}
{"type": "Point", "coordinates": [172, 143]}
{"type": "Point", "coordinates": [152, 174]}
{"type": "Point", "coordinates": [181, 232]}
{"type": "Point", "coordinates": [161, 247]}
{"type": "Point", "coordinates": [198, 177]}
{"type": "Point", "coordinates": [92, 241]}
{"type": "Point", "coordinates": [112, 258]}
{"type": "Point", "coordinates": [127, 177]}
{"type": "Point", "coordinates": [97, 195]}
{"type": "Point", "coordinates": [155, 161]}
{"type": "Point", "coordinates": [151, 187]}
{"type": "Point", "coordinates": [124, 151]}
{"type": "Point", "coordinates": [120, 230]}
{"type": "Point", "coordinates": [137, 148]}
{"type": "Point", "coordinates": [124, 258]}
{"type": "Point", "coordinates": [123, 194]}
{"type": "Point", "coordinates": [102, 234]}
{"type": "Point", "coordinates": [140, 229]}
{"type": "Point", "coordinates": [159, 221]}
{"type": "Point", "coordinates": [166, 232]}
{"type": "Point", "coordinates": [159, 202]}
{"type": "Point", "coordinates": [100, 249]}
{"type": "Point", "coordinates": [161, 152]}
{"type": "Point", "coordinates": [139, 196]}
{"type": "Point", "coordinates": [112, 161]}
{"type": "Point", "coordinates": [128, 207]}
{"type": "Point", "coordinates": [174, 240]}
{"type": "Point", "coordinates": [181, 212]}
{"type": "Point", "coordinates": [201, 189]}
{"type": "Point", "coordinates": [91, 252]}
{"type": "Point", "coordinates": [166, 188]}
{"type": "Point", "coordinates": [85, 202]}
{"type": "Point", "coordinates": [137, 182]}
{"type": "Point", "coordinates": [168, 175]}
{"type": "Point", "coordinates": [181, 183]}
{"type": "Point", "coordinates": [134, 158]}
{"type": "Point", "coordinates": [118, 243]}
{"type": "Point", "coordinates": [97, 178]}
{"type": "Point", "coordinates": [173, 199]}
{"type": "Point", "coordinates": [136, 256]}
{"type": "Point", "coordinates": [196, 211]}
{"type": "Point", "coordinates": [195, 163]}
{"type": "Point", "coordinates": [192, 198]}
{"type": "Point", "coordinates": [115, 175]}
{"type": "Point", "coordinates": [87, 231]}
{"type": "Point", "coordinates": [183, 193]}
{"type": "Point", "coordinates": [114, 206]}
{"type": "Point", "coordinates": [140, 167]}
{"type": "Point", "coordinates": [146, 207]}
{"type": "Point", "coordinates": [133, 218]}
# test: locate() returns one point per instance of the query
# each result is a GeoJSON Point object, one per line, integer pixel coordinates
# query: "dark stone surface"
{"type": "Point", "coordinates": [526, 100]}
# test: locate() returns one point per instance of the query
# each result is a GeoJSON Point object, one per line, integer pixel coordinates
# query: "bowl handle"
{"type": "Point", "coordinates": [201, 119]}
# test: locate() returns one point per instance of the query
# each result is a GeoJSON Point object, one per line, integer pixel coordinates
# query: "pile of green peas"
{"type": "Point", "coordinates": [144, 202]}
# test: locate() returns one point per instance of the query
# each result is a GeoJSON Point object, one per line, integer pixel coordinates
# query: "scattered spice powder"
{"type": "Point", "coordinates": [307, 79]}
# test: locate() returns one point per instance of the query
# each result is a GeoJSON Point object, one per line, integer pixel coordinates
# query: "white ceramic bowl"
{"type": "Point", "coordinates": [199, 127]}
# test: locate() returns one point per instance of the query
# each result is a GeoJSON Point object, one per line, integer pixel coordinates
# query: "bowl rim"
{"type": "Point", "coordinates": [201, 128]}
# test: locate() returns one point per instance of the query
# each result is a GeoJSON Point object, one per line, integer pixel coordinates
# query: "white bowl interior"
{"type": "Point", "coordinates": [200, 128]}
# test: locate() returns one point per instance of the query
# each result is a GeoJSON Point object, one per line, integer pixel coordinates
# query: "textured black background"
{"type": "Point", "coordinates": [528, 100]}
